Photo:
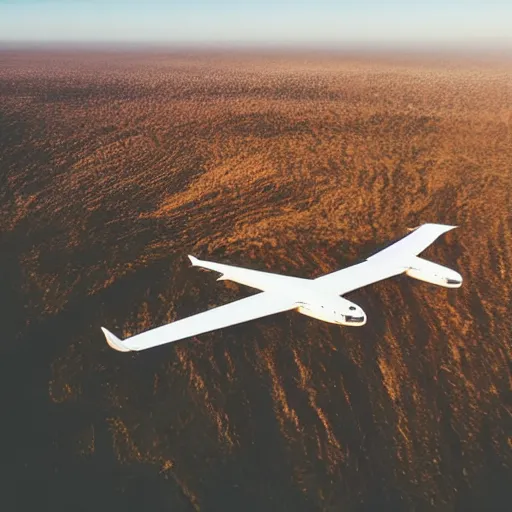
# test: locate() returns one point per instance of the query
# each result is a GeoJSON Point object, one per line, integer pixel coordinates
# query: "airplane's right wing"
{"type": "Point", "coordinates": [243, 310]}
{"type": "Point", "coordinates": [413, 244]}
{"type": "Point", "coordinates": [396, 259]}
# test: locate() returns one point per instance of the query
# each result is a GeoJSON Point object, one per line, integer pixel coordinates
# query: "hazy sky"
{"type": "Point", "coordinates": [263, 21]}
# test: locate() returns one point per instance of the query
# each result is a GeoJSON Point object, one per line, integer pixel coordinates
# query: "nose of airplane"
{"type": "Point", "coordinates": [356, 317]}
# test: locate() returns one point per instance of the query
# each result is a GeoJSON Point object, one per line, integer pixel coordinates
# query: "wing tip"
{"type": "Point", "coordinates": [114, 342]}
{"type": "Point", "coordinates": [444, 228]}
{"type": "Point", "coordinates": [193, 260]}
{"type": "Point", "coordinates": [439, 228]}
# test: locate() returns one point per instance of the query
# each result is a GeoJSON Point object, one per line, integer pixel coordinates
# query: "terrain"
{"type": "Point", "coordinates": [114, 166]}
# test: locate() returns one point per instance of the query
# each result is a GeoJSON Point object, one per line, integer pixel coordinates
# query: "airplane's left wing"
{"type": "Point", "coordinates": [243, 310]}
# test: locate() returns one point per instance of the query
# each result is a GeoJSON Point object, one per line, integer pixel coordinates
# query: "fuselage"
{"type": "Point", "coordinates": [312, 297]}
{"type": "Point", "coordinates": [315, 301]}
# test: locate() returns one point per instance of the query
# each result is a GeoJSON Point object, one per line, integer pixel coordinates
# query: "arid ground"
{"type": "Point", "coordinates": [115, 166]}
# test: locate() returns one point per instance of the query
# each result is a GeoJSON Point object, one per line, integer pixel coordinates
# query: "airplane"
{"type": "Point", "coordinates": [320, 298]}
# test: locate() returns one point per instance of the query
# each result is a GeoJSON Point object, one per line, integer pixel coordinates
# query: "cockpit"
{"type": "Point", "coordinates": [338, 311]}
{"type": "Point", "coordinates": [355, 317]}
{"type": "Point", "coordinates": [359, 320]}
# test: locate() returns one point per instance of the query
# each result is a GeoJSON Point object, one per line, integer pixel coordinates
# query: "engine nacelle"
{"type": "Point", "coordinates": [430, 272]}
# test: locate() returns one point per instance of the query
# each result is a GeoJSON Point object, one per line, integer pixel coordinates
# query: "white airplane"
{"type": "Point", "coordinates": [320, 298]}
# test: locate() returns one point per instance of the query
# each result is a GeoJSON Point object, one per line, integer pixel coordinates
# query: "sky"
{"type": "Point", "coordinates": [303, 22]}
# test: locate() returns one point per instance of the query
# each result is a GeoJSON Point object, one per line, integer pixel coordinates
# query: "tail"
{"type": "Point", "coordinates": [430, 272]}
{"type": "Point", "coordinates": [114, 342]}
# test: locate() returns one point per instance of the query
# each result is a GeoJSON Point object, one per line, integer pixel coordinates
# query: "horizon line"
{"type": "Point", "coordinates": [474, 44]}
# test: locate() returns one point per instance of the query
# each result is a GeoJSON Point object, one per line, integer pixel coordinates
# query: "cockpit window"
{"type": "Point", "coordinates": [352, 308]}
{"type": "Point", "coordinates": [349, 318]}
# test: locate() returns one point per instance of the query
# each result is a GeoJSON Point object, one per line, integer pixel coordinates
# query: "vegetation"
{"type": "Point", "coordinates": [115, 166]}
